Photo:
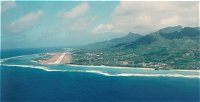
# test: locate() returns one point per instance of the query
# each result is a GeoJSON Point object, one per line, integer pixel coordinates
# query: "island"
{"type": "Point", "coordinates": [168, 48]}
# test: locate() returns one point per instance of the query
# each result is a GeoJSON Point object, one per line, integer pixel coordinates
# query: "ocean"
{"type": "Point", "coordinates": [24, 80]}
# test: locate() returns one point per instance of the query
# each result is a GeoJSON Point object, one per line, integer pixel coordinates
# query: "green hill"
{"type": "Point", "coordinates": [171, 47]}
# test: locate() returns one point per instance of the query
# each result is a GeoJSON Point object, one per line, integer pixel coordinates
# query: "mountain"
{"type": "Point", "coordinates": [178, 48]}
{"type": "Point", "coordinates": [113, 42]}
{"type": "Point", "coordinates": [171, 47]}
{"type": "Point", "coordinates": [164, 37]}
{"type": "Point", "coordinates": [186, 36]}
{"type": "Point", "coordinates": [171, 29]}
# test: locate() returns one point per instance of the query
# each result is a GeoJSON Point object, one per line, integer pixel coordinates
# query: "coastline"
{"type": "Point", "coordinates": [109, 74]}
{"type": "Point", "coordinates": [103, 66]}
{"type": "Point", "coordinates": [118, 67]}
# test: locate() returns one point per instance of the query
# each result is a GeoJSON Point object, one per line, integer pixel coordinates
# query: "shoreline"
{"type": "Point", "coordinates": [76, 65]}
{"type": "Point", "coordinates": [108, 74]}
{"type": "Point", "coordinates": [103, 66]}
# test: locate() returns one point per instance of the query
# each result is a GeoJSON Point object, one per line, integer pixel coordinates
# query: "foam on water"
{"type": "Point", "coordinates": [147, 75]}
{"type": "Point", "coordinates": [3, 60]}
{"type": "Point", "coordinates": [26, 66]}
{"type": "Point", "coordinates": [104, 73]}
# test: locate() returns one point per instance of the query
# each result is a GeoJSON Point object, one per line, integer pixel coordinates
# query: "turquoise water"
{"type": "Point", "coordinates": [26, 61]}
{"type": "Point", "coordinates": [25, 80]}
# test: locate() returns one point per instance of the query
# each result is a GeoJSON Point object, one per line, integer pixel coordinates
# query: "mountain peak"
{"type": "Point", "coordinates": [171, 29]}
{"type": "Point", "coordinates": [130, 37]}
{"type": "Point", "coordinates": [130, 33]}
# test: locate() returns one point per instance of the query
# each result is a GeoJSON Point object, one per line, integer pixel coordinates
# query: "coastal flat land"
{"type": "Point", "coordinates": [57, 58]}
{"type": "Point", "coordinates": [66, 59]}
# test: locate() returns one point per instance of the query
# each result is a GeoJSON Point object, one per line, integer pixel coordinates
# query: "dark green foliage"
{"type": "Point", "coordinates": [185, 32]}
{"type": "Point", "coordinates": [146, 40]}
{"type": "Point", "coordinates": [190, 32]}
{"type": "Point", "coordinates": [170, 36]}
{"type": "Point", "coordinates": [172, 47]}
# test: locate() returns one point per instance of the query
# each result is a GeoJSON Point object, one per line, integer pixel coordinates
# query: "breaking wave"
{"type": "Point", "coordinates": [2, 60]}
{"type": "Point", "coordinates": [26, 66]}
{"type": "Point", "coordinates": [105, 73]}
{"type": "Point", "coordinates": [147, 75]}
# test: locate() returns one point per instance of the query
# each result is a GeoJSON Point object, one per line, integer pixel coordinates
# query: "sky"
{"type": "Point", "coordinates": [33, 24]}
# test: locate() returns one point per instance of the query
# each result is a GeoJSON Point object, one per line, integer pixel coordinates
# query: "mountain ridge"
{"type": "Point", "coordinates": [176, 48]}
{"type": "Point", "coordinates": [113, 42]}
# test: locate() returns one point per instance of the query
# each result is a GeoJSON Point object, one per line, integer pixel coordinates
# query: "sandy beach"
{"type": "Point", "coordinates": [129, 68]}
{"type": "Point", "coordinates": [109, 67]}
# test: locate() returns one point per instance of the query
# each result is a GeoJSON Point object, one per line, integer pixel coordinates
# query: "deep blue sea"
{"type": "Point", "coordinates": [22, 80]}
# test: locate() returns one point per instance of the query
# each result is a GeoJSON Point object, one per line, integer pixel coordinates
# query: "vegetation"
{"type": "Point", "coordinates": [169, 48]}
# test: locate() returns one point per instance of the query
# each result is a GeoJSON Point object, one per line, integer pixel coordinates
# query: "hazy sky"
{"type": "Point", "coordinates": [46, 24]}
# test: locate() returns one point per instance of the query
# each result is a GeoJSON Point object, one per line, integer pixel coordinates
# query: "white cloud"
{"type": "Point", "coordinates": [25, 22]}
{"type": "Point", "coordinates": [102, 28]}
{"type": "Point", "coordinates": [75, 12]}
{"type": "Point", "coordinates": [76, 18]}
{"type": "Point", "coordinates": [82, 23]}
{"type": "Point", "coordinates": [145, 17]}
{"type": "Point", "coordinates": [6, 5]}
{"type": "Point", "coordinates": [174, 20]}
